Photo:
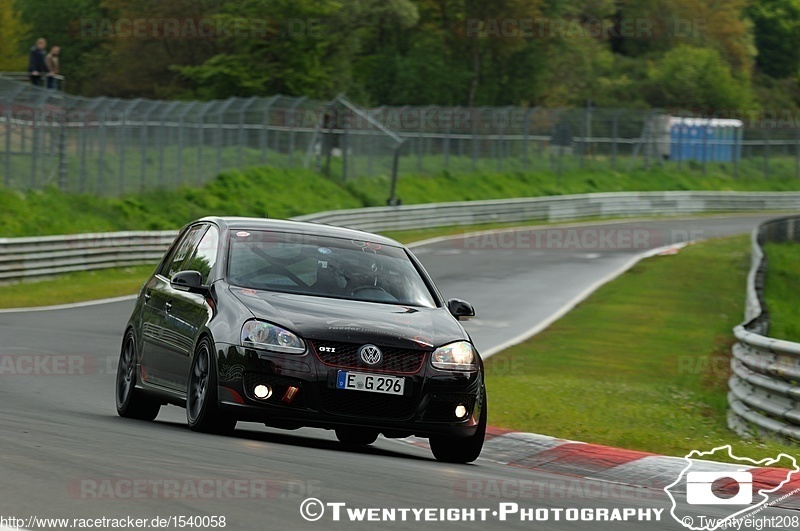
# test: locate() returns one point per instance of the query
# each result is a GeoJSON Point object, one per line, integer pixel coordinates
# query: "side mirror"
{"type": "Point", "coordinates": [188, 281]}
{"type": "Point", "coordinates": [461, 310]}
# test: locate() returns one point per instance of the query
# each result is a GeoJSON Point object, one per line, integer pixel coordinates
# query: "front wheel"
{"type": "Point", "coordinates": [132, 403]}
{"type": "Point", "coordinates": [461, 449]}
{"type": "Point", "coordinates": [202, 409]}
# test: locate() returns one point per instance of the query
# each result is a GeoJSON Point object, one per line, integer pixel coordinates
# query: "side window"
{"type": "Point", "coordinates": [206, 255]}
{"type": "Point", "coordinates": [182, 251]}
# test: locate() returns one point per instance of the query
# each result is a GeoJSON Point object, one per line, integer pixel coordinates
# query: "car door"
{"type": "Point", "coordinates": [159, 338]}
{"type": "Point", "coordinates": [186, 313]}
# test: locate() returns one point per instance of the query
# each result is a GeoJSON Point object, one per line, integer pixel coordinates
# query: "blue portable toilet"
{"type": "Point", "coordinates": [705, 139]}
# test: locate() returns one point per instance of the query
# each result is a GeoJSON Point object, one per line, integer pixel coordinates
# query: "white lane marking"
{"type": "Point", "coordinates": [69, 306]}
{"type": "Point", "coordinates": [577, 300]}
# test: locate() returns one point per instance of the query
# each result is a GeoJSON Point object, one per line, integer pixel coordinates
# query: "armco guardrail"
{"type": "Point", "coordinates": [764, 394]}
{"type": "Point", "coordinates": [555, 208]}
{"type": "Point", "coordinates": [22, 258]}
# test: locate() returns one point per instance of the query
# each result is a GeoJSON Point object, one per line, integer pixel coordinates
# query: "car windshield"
{"type": "Point", "coordinates": [329, 267]}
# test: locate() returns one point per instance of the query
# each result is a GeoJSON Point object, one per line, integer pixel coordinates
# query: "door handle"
{"type": "Point", "coordinates": [147, 297]}
{"type": "Point", "coordinates": [168, 306]}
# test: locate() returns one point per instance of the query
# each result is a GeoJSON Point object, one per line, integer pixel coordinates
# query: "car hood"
{"type": "Point", "coordinates": [349, 321]}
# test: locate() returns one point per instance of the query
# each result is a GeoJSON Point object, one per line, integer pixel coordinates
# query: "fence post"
{"type": "Point", "coordinates": [614, 139]}
{"type": "Point", "coordinates": [345, 144]}
{"type": "Point", "coordinates": [526, 137]}
{"type": "Point", "coordinates": [292, 110]}
{"type": "Point", "coordinates": [221, 131]}
{"type": "Point", "coordinates": [705, 145]}
{"type": "Point", "coordinates": [392, 201]}
{"type": "Point", "coordinates": [679, 151]}
{"type": "Point", "coordinates": [421, 140]}
{"type": "Point", "coordinates": [263, 139]}
{"type": "Point", "coordinates": [242, 140]}
{"type": "Point", "coordinates": [101, 146]}
{"type": "Point", "coordinates": [62, 156]}
{"type": "Point", "coordinates": [475, 144]}
{"type": "Point", "coordinates": [797, 153]}
{"type": "Point", "coordinates": [766, 153]}
{"type": "Point", "coordinates": [181, 126]}
{"type": "Point", "coordinates": [448, 133]}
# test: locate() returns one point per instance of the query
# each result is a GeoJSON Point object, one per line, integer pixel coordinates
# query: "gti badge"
{"type": "Point", "coordinates": [370, 354]}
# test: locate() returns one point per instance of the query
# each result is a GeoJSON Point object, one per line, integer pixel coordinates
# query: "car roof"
{"type": "Point", "coordinates": [285, 225]}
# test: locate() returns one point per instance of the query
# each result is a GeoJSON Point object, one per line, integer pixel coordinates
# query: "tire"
{"type": "Point", "coordinates": [202, 407]}
{"type": "Point", "coordinates": [461, 449]}
{"type": "Point", "coordinates": [356, 436]}
{"type": "Point", "coordinates": [132, 403]}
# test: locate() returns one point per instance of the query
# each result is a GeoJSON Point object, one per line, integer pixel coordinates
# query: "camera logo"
{"type": "Point", "coordinates": [700, 488]}
{"type": "Point", "coordinates": [717, 490]}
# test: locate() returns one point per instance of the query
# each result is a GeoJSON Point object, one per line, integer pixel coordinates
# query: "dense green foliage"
{"type": "Point", "coordinates": [664, 53]}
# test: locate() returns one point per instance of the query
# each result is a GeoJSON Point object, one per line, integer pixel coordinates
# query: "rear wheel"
{"type": "Point", "coordinates": [461, 449]}
{"type": "Point", "coordinates": [132, 403]}
{"type": "Point", "coordinates": [202, 408]}
{"type": "Point", "coordinates": [356, 436]}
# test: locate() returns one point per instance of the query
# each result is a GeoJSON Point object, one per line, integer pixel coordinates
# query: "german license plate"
{"type": "Point", "coordinates": [372, 383]}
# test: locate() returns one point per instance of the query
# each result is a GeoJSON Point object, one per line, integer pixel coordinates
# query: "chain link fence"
{"type": "Point", "coordinates": [107, 146]}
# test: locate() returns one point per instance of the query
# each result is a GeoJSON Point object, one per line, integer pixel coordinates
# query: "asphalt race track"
{"type": "Point", "coordinates": [66, 454]}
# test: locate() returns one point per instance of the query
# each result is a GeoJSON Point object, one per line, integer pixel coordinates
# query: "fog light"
{"type": "Point", "coordinates": [262, 392]}
{"type": "Point", "coordinates": [461, 411]}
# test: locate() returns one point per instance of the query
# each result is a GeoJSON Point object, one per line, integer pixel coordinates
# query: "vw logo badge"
{"type": "Point", "coordinates": [370, 354]}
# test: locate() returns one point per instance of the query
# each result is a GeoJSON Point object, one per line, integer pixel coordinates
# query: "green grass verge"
{"type": "Point", "coordinates": [782, 290]}
{"type": "Point", "coordinates": [285, 193]}
{"type": "Point", "coordinates": [75, 287]}
{"type": "Point", "coordinates": [642, 364]}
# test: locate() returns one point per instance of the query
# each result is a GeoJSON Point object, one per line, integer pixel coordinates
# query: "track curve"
{"type": "Point", "coordinates": [63, 445]}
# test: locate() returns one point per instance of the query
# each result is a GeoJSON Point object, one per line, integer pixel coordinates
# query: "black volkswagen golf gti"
{"type": "Point", "coordinates": [297, 324]}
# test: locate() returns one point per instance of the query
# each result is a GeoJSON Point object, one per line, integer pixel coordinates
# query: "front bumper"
{"type": "Point", "coordinates": [426, 408]}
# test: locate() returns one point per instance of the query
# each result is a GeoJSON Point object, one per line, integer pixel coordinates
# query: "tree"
{"type": "Point", "coordinates": [689, 77]}
{"type": "Point", "coordinates": [58, 21]}
{"type": "Point", "coordinates": [13, 32]}
{"type": "Point", "coordinates": [777, 36]}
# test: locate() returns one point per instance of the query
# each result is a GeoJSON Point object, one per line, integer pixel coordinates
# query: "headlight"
{"type": "Point", "coordinates": [266, 336]}
{"type": "Point", "coordinates": [459, 356]}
